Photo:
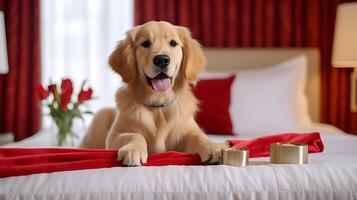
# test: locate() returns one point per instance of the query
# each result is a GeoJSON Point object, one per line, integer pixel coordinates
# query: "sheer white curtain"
{"type": "Point", "coordinates": [77, 38]}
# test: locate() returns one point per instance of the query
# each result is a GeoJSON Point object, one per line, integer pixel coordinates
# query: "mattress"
{"type": "Point", "coordinates": [329, 175]}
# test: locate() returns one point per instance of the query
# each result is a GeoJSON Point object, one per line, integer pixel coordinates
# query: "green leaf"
{"type": "Point", "coordinates": [83, 83]}
{"type": "Point", "coordinates": [82, 119]}
{"type": "Point", "coordinates": [88, 112]}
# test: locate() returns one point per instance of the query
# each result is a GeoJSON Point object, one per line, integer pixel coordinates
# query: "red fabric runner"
{"type": "Point", "coordinates": [25, 161]}
{"type": "Point", "coordinates": [260, 146]}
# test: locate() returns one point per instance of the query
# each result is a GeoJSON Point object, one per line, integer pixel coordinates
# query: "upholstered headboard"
{"type": "Point", "coordinates": [250, 58]}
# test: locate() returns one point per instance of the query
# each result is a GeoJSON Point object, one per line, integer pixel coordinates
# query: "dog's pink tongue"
{"type": "Point", "coordinates": [161, 85]}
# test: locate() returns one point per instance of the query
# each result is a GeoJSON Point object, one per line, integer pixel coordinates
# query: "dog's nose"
{"type": "Point", "coordinates": [161, 61]}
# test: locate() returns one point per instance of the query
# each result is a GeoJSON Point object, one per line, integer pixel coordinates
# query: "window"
{"type": "Point", "coordinates": [77, 39]}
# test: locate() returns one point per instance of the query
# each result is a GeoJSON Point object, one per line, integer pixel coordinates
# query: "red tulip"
{"type": "Point", "coordinates": [66, 84]}
{"type": "Point", "coordinates": [85, 95]}
{"type": "Point", "coordinates": [66, 93]}
{"type": "Point", "coordinates": [52, 88]}
{"type": "Point", "coordinates": [42, 93]}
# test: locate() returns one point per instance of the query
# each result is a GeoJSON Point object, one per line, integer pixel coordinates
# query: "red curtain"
{"type": "Point", "coordinates": [265, 23]}
{"type": "Point", "coordinates": [19, 106]}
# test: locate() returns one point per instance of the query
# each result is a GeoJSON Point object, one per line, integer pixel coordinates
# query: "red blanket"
{"type": "Point", "coordinates": [25, 161]}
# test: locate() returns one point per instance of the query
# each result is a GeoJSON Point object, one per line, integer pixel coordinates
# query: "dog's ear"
{"type": "Point", "coordinates": [194, 61]}
{"type": "Point", "coordinates": [122, 60]}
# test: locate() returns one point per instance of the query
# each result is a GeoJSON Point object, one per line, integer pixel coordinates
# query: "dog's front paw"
{"type": "Point", "coordinates": [210, 152]}
{"type": "Point", "coordinates": [132, 156]}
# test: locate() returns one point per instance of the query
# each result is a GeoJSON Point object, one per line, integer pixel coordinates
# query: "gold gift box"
{"type": "Point", "coordinates": [288, 153]}
{"type": "Point", "coordinates": [235, 157]}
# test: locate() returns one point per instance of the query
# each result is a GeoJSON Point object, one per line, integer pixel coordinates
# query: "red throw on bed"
{"type": "Point", "coordinates": [25, 161]}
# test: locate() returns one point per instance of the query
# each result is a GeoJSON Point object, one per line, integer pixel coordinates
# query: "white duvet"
{"type": "Point", "coordinates": [329, 175]}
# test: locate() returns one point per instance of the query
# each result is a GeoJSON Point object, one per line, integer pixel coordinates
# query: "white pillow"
{"type": "Point", "coordinates": [271, 99]}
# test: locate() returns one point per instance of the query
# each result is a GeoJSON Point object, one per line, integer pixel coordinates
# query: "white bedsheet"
{"type": "Point", "coordinates": [329, 175]}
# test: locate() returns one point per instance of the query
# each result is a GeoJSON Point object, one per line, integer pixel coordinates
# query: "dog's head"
{"type": "Point", "coordinates": [157, 58]}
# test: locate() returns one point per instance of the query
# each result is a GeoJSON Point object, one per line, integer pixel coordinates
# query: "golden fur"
{"type": "Point", "coordinates": [137, 128]}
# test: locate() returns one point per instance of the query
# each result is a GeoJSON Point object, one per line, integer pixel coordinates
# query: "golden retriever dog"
{"type": "Point", "coordinates": [155, 108]}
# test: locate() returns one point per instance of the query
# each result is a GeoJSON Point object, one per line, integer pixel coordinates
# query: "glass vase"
{"type": "Point", "coordinates": [62, 134]}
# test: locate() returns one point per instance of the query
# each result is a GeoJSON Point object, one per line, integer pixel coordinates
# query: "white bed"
{"type": "Point", "coordinates": [329, 175]}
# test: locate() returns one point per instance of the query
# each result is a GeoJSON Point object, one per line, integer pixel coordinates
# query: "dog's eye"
{"type": "Point", "coordinates": [173, 43]}
{"type": "Point", "coordinates": [146, 44]}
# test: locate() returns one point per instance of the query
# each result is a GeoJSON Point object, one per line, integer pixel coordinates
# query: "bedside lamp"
{"type": "Point", "coordinates": [4, 66]}
{"type": "Point", "coordinates": [344, 53]}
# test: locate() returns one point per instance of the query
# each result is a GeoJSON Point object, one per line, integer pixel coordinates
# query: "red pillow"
{"type": "Point", "coordinates": [214, 97]}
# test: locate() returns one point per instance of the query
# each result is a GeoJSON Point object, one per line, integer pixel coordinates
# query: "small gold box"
{"type": "Point", "coordinates": [235, 157]}
{"type": "Point", "coordinates": [288, 153]}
